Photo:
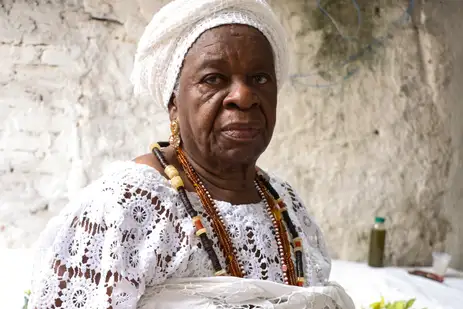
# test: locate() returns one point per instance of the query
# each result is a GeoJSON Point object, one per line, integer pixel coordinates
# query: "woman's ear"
{"type": "Point", "coordinates": [172, 107]}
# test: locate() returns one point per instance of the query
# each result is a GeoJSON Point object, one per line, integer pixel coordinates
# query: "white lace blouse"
{"type": "Point", "coordinates": [128, 232]}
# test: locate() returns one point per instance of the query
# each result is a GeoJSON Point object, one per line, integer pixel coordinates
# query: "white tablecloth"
{"type": "Point", "coordinates": [364, 284]}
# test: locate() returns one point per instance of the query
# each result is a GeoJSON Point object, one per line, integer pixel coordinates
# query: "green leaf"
{"type": "Point", "coordinates": [401, 304]}
{"type": "Point", "coordinates": [376, 305]}
{"type": "Point", "coordinates": [410, 303]}
{"type": "Point", "coordinates": [382, 301]}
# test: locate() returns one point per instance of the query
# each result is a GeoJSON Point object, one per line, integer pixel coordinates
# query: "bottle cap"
{"type": "Point", "coordinates": [379, 220]}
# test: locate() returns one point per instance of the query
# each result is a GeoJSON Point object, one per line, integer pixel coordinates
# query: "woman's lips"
{"type": "Point", "coordinates": [246, 134]}
{"type": "Point", "coordinates": [241, 132]}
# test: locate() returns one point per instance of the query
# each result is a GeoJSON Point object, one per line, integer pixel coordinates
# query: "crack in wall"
{"type": "Point", "coordinates": [106, 20]}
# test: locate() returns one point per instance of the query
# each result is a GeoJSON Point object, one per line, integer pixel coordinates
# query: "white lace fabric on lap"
{"type": "Point", "coordinates": [128, 232]}
{"type": "Point", "coordinates": [237, 293]}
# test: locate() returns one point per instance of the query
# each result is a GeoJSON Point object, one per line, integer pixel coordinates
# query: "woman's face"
{"type": "Point", "coordinates": [227, 95]}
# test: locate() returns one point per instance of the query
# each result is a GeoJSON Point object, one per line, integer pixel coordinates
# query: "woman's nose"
{"type": "Point", "coordinates": [241, 96]}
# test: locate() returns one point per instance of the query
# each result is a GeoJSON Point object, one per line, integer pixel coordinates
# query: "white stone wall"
{"type": "Point", "coordinates": [384, 142]}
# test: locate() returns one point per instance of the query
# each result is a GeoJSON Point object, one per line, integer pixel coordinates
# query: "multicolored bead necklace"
{"type": "Point", "coordinates": [275, 207]}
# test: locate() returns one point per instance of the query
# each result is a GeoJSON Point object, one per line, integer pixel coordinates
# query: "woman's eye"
{"type": "Point", "coordinates": [213, 79]}
{"type": "Point", "coordinates": [261, 79]}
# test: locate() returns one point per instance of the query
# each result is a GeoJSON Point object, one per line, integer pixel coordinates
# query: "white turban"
{"type": "Point", "coordinates": [175, 28]}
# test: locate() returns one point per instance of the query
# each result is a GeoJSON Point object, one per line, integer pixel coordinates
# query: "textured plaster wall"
{"type": "Point", "coordinates": [387, 141]}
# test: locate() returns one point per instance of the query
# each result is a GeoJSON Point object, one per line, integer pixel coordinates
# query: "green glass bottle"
{"type": "Point", "coordinates": [377, 243]}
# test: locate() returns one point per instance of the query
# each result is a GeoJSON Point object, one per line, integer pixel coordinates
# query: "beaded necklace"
{"type": "Point", "coordinates": [275, 207]}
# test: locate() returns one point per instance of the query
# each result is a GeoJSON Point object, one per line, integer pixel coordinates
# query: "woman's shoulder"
{"type": "Point", "coordinates": [127, 196]}
{"type": "Point", "coordinates": [121, 186]}
{"type": "Point", "coordinates": [112, 227]}
{"type": "Point", "coordinates": [283, 187]}
{"type": "Point", "coordinates": [129, 176]}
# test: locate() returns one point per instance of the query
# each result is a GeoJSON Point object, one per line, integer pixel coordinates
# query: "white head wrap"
{"type": "Point", "coordinates": [173, 30]}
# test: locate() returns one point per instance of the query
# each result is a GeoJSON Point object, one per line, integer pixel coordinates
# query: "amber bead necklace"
{"type": "Point", "coordinates": [275, 207]}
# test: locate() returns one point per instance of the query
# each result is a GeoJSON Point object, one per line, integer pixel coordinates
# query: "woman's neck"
{"type": "Point", "coordinates": [233, 184]}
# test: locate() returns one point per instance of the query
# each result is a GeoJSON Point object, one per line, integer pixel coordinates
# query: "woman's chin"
{"type": "Point", "coordinates": [242, 150]}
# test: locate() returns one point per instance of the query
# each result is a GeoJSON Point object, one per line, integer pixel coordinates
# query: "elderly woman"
{"type": "Point", "coordinates": [195, 223]}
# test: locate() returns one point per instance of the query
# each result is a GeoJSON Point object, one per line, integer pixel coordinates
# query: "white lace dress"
{"type": "Point", "coordinates": [128, 232]}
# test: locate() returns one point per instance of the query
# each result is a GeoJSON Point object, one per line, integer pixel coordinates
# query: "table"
{"type": "Point", "coordinates": [366, 285]}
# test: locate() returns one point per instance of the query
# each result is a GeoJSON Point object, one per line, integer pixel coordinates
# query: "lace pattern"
{"type": "Point", "coordinates": [128, 232]}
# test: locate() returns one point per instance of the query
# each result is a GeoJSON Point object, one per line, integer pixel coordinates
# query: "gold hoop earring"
{"type": "Point", "coordinates": [174, 139]}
